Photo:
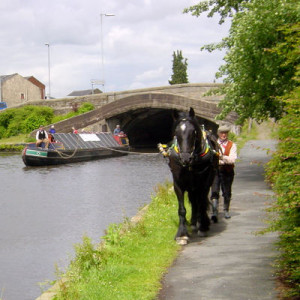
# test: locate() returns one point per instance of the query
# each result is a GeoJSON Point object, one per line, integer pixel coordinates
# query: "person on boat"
{"type": "Point", "coordinates": [117, 130]}
{"type": "Point", "coordinates": [42, 137]}
{"type": "Point", "coordinates": [52, 129]}
{"type": "Point", "coordinates": [74, 130]}
{"type": "Point", "coordinates": [225, 173]}
{"type": "Point", "coordinates": [50, 135]}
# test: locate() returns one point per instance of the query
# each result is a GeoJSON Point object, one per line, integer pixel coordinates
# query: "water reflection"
{"type": "Point", "coordinates": [45, 210]}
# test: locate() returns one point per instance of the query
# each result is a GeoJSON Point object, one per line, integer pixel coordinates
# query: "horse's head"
{"type": "Point", "coordinates": [186, 134]}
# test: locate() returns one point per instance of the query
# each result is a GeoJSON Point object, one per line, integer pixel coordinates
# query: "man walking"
{"type": "Point", "coordinates": [225, 173]}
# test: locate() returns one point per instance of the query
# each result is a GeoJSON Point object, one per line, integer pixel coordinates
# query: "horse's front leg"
{"type": "Point", "coordinates": [182, 235]}
{"type": "Point", "coordinates": [195, 211]}
{"type": "Point", "coordinates": [204, 219]}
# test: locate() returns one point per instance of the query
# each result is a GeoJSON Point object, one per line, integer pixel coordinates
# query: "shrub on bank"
{"type": "Point", "coordinates": [15, 121]}
{"type": "Point", "coordinates": [11, 148]}
{"type": "Point", "coordinates": [85, 107]}
{"type": "Point", "coordinates": [283, 172]}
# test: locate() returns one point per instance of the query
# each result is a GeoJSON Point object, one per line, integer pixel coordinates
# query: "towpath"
{"type": "Point", "coordinates": [232, 263]}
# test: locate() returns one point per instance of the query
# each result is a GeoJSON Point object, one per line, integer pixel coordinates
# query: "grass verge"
{"type": "Point", "coordinates": [14, 143]}
{"type": "Point", "coordinates": [133, 258]}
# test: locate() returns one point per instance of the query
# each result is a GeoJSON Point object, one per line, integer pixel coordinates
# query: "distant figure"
{"type": "Point", "coordinates": [52, 129]}
{"type": "Point", "coordinates": [42, 136]}
{"type": "Point", "coordinates": [117, 130]}
{"type": "Point", "coordinates": [74, 130]}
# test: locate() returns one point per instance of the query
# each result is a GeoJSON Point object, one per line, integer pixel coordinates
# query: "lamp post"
{"type": "Point", "coordinates": [49, 88]}
{"type": "Point", "coordinates": [102, 54]}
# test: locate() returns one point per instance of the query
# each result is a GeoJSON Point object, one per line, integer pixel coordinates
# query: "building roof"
{"type": "Point", "coordinates": [85, 92]}
{"type": "Point", "coordinates": [35, 81]}
{"type": "Point", "coordinates": [32, 79]}
{"type": "Point", "coordinates": [5, 77]}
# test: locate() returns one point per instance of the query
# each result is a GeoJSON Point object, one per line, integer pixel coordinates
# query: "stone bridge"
{"type": "Point", "coordinates": [144, 114]}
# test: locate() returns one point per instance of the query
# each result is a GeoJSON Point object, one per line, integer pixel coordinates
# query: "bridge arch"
{"type": "Point", "coordinates": [147, 117]}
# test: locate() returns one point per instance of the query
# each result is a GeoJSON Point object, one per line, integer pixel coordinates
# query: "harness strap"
{"type": "Point", "coordinates": [207, 148]}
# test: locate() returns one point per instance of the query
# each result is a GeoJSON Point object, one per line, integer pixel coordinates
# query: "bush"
{"type": "Point", "coordinates": [15, 121]}
{"type": "Point", "coordinates": [283, 173]}
{"type": "Point", "coordinates": [85, 107]}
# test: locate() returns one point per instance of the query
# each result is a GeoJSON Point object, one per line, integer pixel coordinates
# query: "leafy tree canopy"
{"type": "Point", "coordinates": [254, 74]}
{"type": "Point", "coordinates": [226, 8]}
{"type": "Point", "coordinates": [179, 69]}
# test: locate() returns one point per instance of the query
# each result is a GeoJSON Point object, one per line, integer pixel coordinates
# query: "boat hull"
{"type": "Point", "coordinates": [43, 157]}
{"type": "Point", "coordinates": [72, 148]}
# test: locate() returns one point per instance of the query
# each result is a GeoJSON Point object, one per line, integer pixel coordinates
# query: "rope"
{"type": "Point", "coordinates": [129, 152]}
{"type": "Point", "coordinates": [66, 156]}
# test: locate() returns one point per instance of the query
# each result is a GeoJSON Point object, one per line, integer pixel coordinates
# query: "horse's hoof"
{"type": "Point", "coordinates": [214, 219]}
{"type": "Point", "coordinates": [182, 240]}
{"type": "Point", "coordinates": [202, 233]}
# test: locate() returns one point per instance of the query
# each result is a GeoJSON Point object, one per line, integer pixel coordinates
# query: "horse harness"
{"type": "Point", "coordinates": [197, 157]}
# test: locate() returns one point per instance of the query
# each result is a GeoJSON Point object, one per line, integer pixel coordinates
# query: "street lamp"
{"type": "Point", "coordinates": [49, 89]}
{"type": "Point", "coordinates": [102, 55]}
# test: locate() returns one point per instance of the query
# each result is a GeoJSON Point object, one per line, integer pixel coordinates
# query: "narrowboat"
{"type": "Point", "coordinates": [70, 148]}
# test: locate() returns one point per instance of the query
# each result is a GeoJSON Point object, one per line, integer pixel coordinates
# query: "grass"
{"type": "Point", "coordinates": [11, 144]}
{"type": "Point", "coordinates": [131, 262]}
{"type": "Point", "coordinates": [21, 138]}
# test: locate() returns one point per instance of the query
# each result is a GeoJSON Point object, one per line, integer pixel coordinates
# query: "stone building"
{"type": "Point", "coordinates": [16, 89]}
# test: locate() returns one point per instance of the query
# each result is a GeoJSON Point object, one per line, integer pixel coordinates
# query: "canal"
{"type": "Point", "coordinates": [44, 211]}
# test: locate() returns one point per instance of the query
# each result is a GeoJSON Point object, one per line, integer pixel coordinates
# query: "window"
{"type": "Point", "coordinates": [22, 96]}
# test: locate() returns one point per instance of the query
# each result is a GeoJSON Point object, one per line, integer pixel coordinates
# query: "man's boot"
{"type": "Point", "coordinates": [215, 207]}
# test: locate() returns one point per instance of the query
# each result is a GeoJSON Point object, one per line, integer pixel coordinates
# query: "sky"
{"type": "Point", "coordinates": [136, 44]}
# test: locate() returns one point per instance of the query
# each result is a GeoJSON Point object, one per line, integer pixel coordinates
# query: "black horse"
{"type": "Point", "coordinates": [193, 161]}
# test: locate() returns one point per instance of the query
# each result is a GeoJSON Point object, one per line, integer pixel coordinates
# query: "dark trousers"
{"type": "Point", "coordinates": [223, 179]}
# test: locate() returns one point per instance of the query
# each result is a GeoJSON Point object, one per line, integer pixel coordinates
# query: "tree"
{"type": "Point", "coordinates": [224, 8]}
{"type": "Point", "coordinates": [254, 76]}
{"type": "Point", "coordinates": [179, 69]}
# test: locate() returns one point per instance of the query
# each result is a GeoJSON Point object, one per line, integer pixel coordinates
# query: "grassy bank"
{"type": "Point", "coordinates": [17, 123]}
{"type": "Point", "coordinates": [131, 261]}
{"type": "Point", "coordinates": [23, 120]}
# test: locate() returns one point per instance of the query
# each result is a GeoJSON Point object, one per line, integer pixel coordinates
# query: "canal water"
{"type": "Point", "coordinates": [44, 211]}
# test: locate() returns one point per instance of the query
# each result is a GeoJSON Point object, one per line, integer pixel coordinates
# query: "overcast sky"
{"type": "Point", "coordinates": [138, 42]}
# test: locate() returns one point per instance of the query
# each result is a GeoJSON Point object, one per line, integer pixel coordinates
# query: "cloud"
{"type": "Point", "coordinates": [138, 42]}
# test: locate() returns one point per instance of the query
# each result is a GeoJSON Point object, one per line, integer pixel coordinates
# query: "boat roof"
{"type": "Point", "coordinates": [72, 141]}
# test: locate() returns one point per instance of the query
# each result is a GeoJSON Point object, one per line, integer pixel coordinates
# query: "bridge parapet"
{"type": "Point", "coordinates": [191, 90]}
